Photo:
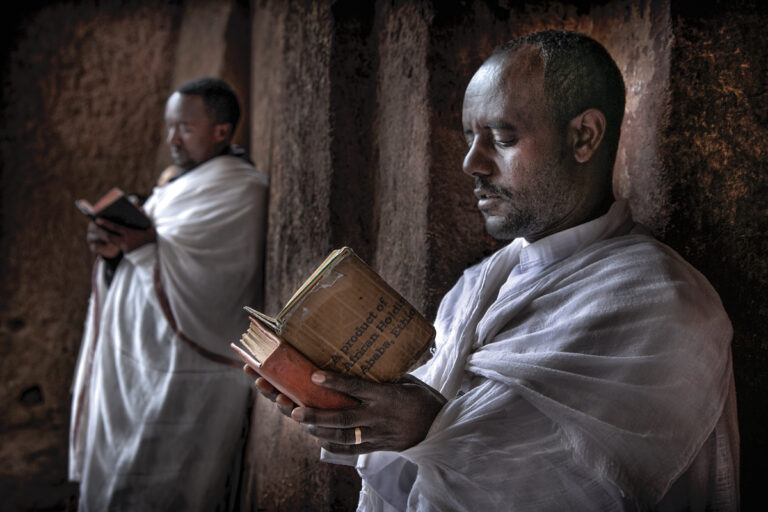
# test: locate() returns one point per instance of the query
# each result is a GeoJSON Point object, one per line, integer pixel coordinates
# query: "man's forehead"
{"type": "Point", "coordinates": [518, 68]}
{"type": "Point", "coordinates": [506, 85]}
{"type": "Point", "coordinates": [180, 104]}
{"type": "Point", "coordinates": [484, 86]}
{"type": "Point", "coordinates": [525, 59]}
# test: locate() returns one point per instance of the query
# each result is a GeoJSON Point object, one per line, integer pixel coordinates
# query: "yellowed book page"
{"type": "Point", "coordinates": [353, 322]}
{"type": "Point", "coordinates": [258, 343]}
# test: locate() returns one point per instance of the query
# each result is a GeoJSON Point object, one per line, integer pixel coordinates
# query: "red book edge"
{"type": "Point", "coordinates": [290, 372]}
{"type": "Point", "coordinates": [107, 199]}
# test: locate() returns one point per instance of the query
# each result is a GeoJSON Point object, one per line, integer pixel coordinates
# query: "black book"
{"type": "Point", "coordinates": [115, 207]}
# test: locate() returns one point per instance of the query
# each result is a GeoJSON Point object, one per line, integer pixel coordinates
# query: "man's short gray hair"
{"type": "Point", "coordinates": [578, 74]}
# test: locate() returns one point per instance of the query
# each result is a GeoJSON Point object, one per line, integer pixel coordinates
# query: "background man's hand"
{"type": "Point", "coordinates": [125, 238]}
{"type": "Point", "coordinates": [98, 242]}
{"type": "Point", "coordinates": [390, 417]}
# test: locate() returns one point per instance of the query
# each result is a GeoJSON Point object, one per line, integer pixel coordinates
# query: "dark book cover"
{"type": "Point", "coordinates": [115, 207]}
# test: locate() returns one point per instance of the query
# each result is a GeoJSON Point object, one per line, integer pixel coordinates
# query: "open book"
{"type": "Point", "coordinates": [344, 318]}
{"type": "Point", "coordinates": [115, 207]}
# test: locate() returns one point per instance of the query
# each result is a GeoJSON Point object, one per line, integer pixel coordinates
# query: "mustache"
{"type": "Point", "coordinates": [482, 185]}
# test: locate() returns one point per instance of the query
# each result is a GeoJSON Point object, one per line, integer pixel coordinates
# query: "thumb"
{"type": "Point", "coordinates": [353, 386]}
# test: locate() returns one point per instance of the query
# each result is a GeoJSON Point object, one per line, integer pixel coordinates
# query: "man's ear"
{"type": "Point", "coordinates": [222, 132]}
{"type": "Point", "coordinates": [585, 132]}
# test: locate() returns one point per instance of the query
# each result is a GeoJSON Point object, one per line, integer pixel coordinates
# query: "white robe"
{"type": "Point", "coordinates": [155, 424]}
{"type": "Point", "coordinates": [592, 375]}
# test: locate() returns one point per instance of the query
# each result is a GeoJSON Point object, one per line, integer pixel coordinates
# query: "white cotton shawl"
{"type": "Point", "coordinates": [155, 425]}
{"type": "Point", "coordinates": [593, 385]}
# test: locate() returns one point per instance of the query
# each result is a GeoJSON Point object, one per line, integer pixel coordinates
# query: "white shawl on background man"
{"type": "Point", "coordinates": [155, 424]}
{"type": "Point", "coordinates": [590, 370]}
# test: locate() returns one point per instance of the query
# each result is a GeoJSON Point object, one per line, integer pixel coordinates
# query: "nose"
{"type": "Point", "coordinates": [476, 161]}
{"type": "Point", "coordinates": [173, 136]}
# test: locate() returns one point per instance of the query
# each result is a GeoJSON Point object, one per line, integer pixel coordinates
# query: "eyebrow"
{"type": "Point", "coordinates": [500, 125]}
{"type": "Point", "coordinates": [496, 124]}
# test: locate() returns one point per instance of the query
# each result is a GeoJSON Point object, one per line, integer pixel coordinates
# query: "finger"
{"type": "Point", "coordinates": [353, 386]}
{"type": "Point", "coordinates": [116, 240]}
{"type": "Point", "coordinates": [109, 226]}
{"type": "Point", "coordinates": [110, 236]}
{"type": "Point", "coordinates": [100, 232]}
{"type": "Point", "coordinates": [93, 233]}
{"type": "Point", "coordinates": [285, 404]}
{"type": "Point", "coordinates": [334, 418]}
{"type": "Point", "coordinates": [346, 449]}
{"type": "Point", "coordinates": [266, 389]}
{"type": "Point", "coordinates": [98, 242]}
{"type": "Point", "coordinates": [410, 380]}
{"type": "Point", "coordinates": [337, 435]}
{"type": "Point", "coordinates": [263, 384]}
{"type": "Point", "coordinates": [108, 251]}
{"type": "Point", "coordinates": [94, 239]}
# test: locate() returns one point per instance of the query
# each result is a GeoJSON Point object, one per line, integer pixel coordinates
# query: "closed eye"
{"type": "Point", "coordinates": [505, 143]}
{"type": "Point", "coordinates": [504, 133]}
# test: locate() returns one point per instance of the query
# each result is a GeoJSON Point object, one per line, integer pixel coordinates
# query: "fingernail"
{"type": "Point", "coordinates": [297, 414]}
{"type": "Point", "coordinates": [318, 378]}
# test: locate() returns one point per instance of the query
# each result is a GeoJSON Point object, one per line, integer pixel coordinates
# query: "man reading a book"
{"type": "Point", "coordinates": [159, 407]}
{"type": "Point", "coordinates": [584, 366]}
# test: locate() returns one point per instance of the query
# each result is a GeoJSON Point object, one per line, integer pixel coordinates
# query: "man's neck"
{"type": "Point", "coordinates": [224, 151]}
{"type": "Point", "coordinates": [599, 208]}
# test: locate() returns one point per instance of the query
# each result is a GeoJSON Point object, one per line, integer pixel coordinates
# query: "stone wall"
{"type": "Point", "coordinates": [354, 110]}
{"type": "Point", "coordinates": [715, 156]}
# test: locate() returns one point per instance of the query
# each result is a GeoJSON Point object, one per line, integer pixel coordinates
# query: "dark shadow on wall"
{"type": "Point", "coordinates": [716, 149]}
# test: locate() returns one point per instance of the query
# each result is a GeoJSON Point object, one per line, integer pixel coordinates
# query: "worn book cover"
{"type": "Point", "coordinates": [115, 207]}
{"type": "Point", "coordinates": [287, 370]}
{"type": "Point", "coordinates": [346, 318]}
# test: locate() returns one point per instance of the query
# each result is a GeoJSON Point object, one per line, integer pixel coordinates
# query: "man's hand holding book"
{"type": "Point", "coordinates": [390, 417]}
